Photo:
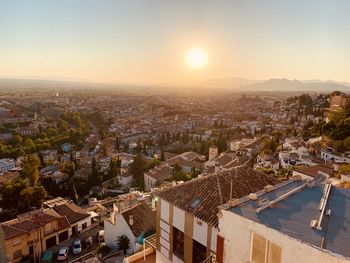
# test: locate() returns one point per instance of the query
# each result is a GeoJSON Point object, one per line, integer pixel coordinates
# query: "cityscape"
{"type": "Point", "coordinates": [113, 151]}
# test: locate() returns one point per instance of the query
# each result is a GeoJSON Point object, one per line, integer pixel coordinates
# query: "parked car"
{"type": "Point", "coordinates": [62, 253]}
{"type": "Point", "coordinates": [47, 257]}
{"type": "Point", "coordinates": [76, 247]}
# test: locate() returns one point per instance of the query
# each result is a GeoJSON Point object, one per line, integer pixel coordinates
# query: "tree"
{"type": "Point", "coordinates": [347, 143]}
{"type": "Point", "coordinates": [162, 157]}
{"type": "Point", "coordinates": [221, 143]}
{"type": "Point", "coordinates": [16, 140]}
{"type": "Point", "coordinates": [117, 144]}
{"type": "Point", "coordinates": [123, 243]}
{"type": "Point", "coordinates": [137, 168]}
{"type": "Point", "coordinates": [344, 169]}
{"type": "Point", "coordinates": [69, 168]}
{"type": "Point", "coordinates": [113, 169]}
{"type": "Point", "coordinates": [94, 179]}
{"type": "Point", "coordinates": [30, 169]}
{"type": "Point", "coordinates": [27, 143]}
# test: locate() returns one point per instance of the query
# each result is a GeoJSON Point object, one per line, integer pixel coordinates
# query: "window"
{"type": "Point", "coordinates": [17, 254]}
{"type": "Point", "coordinates": [178, 243]}
{"type": "Point", "coordinates": [83, 226]}
{"type": "Point", "coordinates": [199, 252]}
{"type": "Point", "coordinates": [258, 249]}
{"type": "Point", "coordinates": [195, 202]}
{"type": "Point", "coordinates": [274, 253]}
{"type": "Point", "coordinates": [265, 251]}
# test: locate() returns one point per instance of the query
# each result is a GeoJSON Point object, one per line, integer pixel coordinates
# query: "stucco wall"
{"type": "Point", "coordinates": [237, 230]}
{"type": "Point", "coordinates": [120, 228]}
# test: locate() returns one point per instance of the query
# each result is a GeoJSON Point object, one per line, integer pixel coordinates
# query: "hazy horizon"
{"type": "Point", "coordinates": [138, 43]}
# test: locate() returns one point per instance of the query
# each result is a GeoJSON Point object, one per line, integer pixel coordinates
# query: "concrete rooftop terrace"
{"type": "Point", "coordinates": [293, 214]}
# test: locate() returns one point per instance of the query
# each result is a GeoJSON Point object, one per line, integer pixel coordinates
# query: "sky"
{"type": "Point", "coordinates": [145, 41]}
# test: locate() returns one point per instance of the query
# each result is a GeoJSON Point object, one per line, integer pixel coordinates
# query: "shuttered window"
{"type": "Point", "coordinates": [265, 251]}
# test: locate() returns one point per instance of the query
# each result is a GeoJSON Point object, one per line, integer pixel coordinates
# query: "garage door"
{"type": "Point", "coordinates": [51, 242]}
{"type": "Point", "coordinates": [63, 236]}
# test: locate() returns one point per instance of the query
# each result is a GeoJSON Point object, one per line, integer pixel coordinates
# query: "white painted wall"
{"type": "Point", "coordinates": [179, 219]}
{"type": "Point", "coordinates": [303, 176]}
{"type": "Point", "coordinates": [161, 258]}
{"type": "Point", "coordinates": [214, 233]}
{"type": "Point", "coordinates": [164, 210]}
{"type": "Point", "coordinates": [237, 230]}
{"type": "Point", "coordinates": [125, 180]}
{"type": "Point", "coordinates": [78, 225]}
{"type": "Point", "coordinates": [176, 260]}
{"type": "Point", "coordinates": [150, 182]}
{"type": "Point", "coordinates": [120, 228]}
{"type": "Point", "coordinates": [200, 231]}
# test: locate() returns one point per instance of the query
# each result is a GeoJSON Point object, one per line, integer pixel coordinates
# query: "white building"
{"type": "Point", "coordinates": [330, 155]}
{"type": "Point", "coordinates": [187, 223]}
{"type": "Point", "coordinates": [293, 221]}
{"type": "Point", "coordinates": [135, 222]}
{"type": "Point", "coordinates": [310, 172]}
{"type": "Point", "coordinates": [156, 176]}
{"type": "Point", "coordinates": [7, 164]}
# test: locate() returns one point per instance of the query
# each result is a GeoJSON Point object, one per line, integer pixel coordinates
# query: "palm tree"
{"type": "Point", "coordinates": [123, 243]}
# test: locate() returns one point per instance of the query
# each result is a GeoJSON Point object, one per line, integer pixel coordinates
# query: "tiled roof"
{"type": "Point", "coordinates": [11, 232]}
{"type": "Point", "coordinates": [144, 219]}
{"type": "Point", "coordinates": [28, 222]}
{"type": "Point", "coordinates": [214, 190]}
{"type": "Point", "coordinates": [63, 223]}
{"type": "Point", "coordinates": [314, 170]}
{"type": "Point", "coordinates": [160, 173]}
{"type": "Point", "coordinates": [73, 212]}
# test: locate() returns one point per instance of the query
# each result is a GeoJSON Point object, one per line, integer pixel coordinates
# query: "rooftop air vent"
{"type": "Point", "coordinates": [268, 188]}
{"type": "Point", "coordinates": [233, 202]}
{"type": "Point", "coordinates": [296, 177]}
{"type": "Point", "coordinates": [253, 196]}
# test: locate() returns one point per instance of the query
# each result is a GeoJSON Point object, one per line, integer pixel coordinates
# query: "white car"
{"type": "Point", "coordinates": [76, 247]}
{"type": "Point", "coordinates": [63, 253]}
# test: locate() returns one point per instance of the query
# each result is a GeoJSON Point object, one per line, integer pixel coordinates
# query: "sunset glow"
{"type": "Point", "coordinates": [196, 58]}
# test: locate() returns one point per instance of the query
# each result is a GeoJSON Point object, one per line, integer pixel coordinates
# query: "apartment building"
{"type": "Point", "coordinates": [32, 233]}
{"type": "Point", "coordinates": [187, 224]}
{"type": "Point", "coordinates": [294, 221]}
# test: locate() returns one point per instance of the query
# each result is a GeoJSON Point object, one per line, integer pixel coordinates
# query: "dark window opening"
{"type": "Point", "coordinates": [51, 242]}
{"type": "Point", "coordinates": [31, 250]}
{"type": "Point", "coordinates": [199, 252]}
{"type": "Point", "coordinates": [63, 236]}
{"type": "Point", "coordinates": [178, 243]}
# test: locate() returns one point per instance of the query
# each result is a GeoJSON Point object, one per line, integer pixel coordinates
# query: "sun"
{"type": "Point", "coordinates": [196, 58]}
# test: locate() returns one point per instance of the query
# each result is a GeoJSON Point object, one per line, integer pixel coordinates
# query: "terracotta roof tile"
{"type": "Point", "coordinates": [73, 212]}
{"type": "Point", "coordinates": [144, 219]}
{"type": "Point", "coordinates": [214, 190]}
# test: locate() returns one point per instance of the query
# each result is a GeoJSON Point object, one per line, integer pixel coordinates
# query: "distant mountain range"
{"type": "Point", "coordinates": [296, 85]}
{"type": "Point", "coordinates": [217, 85]}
